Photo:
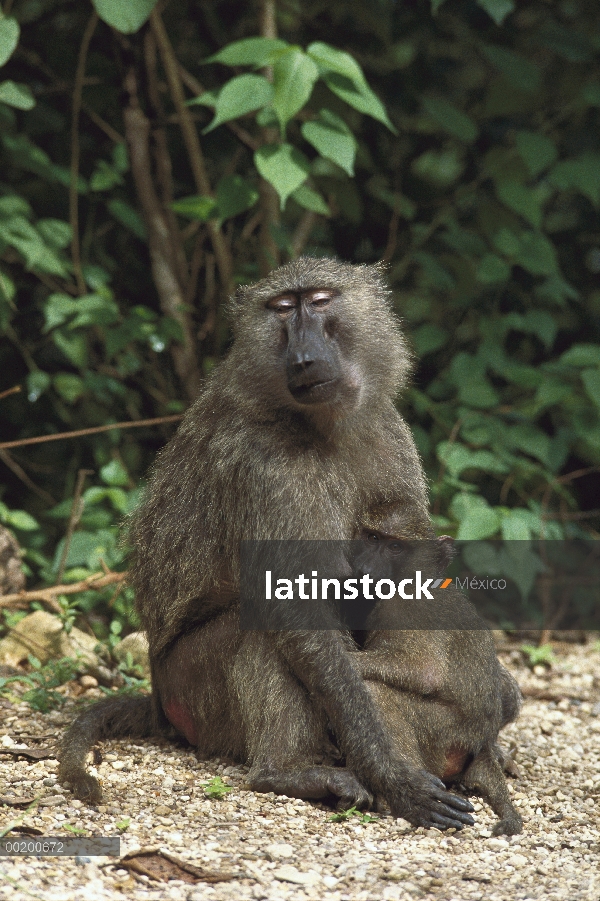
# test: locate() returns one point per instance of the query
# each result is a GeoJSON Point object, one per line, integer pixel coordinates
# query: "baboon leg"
{"type": "Point", "coordinates": [485, 776]}
{"type": "Point", "coordinates": [286, 730]}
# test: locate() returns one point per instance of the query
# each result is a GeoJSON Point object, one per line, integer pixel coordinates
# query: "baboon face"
{"type": "Point", "coordinates": [317, 336]}
{"type": "Point", "coordinates": [307, 347]}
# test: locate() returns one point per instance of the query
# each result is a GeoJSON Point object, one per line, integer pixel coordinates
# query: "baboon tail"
{"type": "Point", "coordinates": [122, 717]}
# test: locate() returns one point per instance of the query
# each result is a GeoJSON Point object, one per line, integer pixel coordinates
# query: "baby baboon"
{"type": "Point", "coordinates": [432, 668]}
{"type": "Point", "coordinates": [294, 436]}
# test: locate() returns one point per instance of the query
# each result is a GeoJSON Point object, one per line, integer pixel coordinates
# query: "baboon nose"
{"type": "Point", "coordinates": [301, 361]}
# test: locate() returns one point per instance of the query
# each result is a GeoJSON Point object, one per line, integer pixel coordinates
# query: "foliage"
{"type": "Point", "coordinates": [343, 816]}
{"type": "Point", "coordinates": [457, 140]}
{"type": "Point", "coordinates": [216, 789]}
{"type": "Point", "coordinates": [42, 680]}
{"type": "Point", "coordinates": [542, 655]}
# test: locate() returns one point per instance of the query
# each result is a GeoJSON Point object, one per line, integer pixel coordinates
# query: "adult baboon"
{"type": "Point", "coordinates": [294, 436]}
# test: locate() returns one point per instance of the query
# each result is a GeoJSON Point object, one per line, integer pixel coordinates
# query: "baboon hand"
{"type": "Point", "coordinates": [426, 802]}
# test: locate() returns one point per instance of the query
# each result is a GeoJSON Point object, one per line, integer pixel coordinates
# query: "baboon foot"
{"type": "Point", "coordinates": [314, 783]}
{"type": "Point", "coordinates": [510, 825]}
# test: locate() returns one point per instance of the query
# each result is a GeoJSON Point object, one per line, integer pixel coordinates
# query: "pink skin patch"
{"type": "Point", "coordinates": [180, 717]}
{"type": "Point", "coordinates": [455, 762]}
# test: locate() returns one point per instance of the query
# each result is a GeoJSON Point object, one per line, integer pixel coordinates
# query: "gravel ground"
{"type": "Point", "coordinates": [279, 848]}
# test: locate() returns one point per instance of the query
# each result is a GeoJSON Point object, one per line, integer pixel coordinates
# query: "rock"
{"type": "Point", "coordinates": [288, 873]}
{"type": "Point", "coordinates": [277, 850]}
{"type": "Point", "coordinates": [135, 644]}
{"type": "Point", "coordinates": [42, 635]}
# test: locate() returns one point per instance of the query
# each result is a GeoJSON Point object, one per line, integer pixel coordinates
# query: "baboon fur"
{"type": "Point", "coordinates": [435, 677]}
{"type": "Point", "coordinates": [269, 451]}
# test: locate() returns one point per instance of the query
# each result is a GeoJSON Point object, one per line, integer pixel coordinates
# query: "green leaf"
{"type": "Point", "coordinates": [477, 520]}
{"type": "Point", "coordinates": [428, 338]}
{"type": "Point", "coordinates": [69, 386]}
{"type": "Point", "coordinates": [105, 177]}
{"type": "Point", "coordinates": [531, 250]}
{"type": "Point", "coordinates": [582, 355]}
{"type": "Point", "coordinates": [468, 374]}
{"type": "Point", "coordinates": [7, 288]}
{"type": "Point", "coordinates": [331, 137]}
{"type": "Point", "coordinates": [539, 322]}
{"type": "Point", "coordinates": [234, 195]}
{"type": "Point", "coordinates": [527, 202]}
{"type": "Point", "coordinates": [55, 232]}
{"type": "Point", "coordinates": [73, 346]}
{"type": "Point", "coordinates": [457, 458]}
{"type": "Point", "coordinates": [518, 70]}
{"type": "Point", "coordinates": [442, 167]}
{"type": "Point", "coordinates": [249, 52]}
{"type": "Point", "coordinates": [114, 473]}
{"type": "Point", "coordinates": [18, 519]}
{"type": "Point", "coordinates": [435, 5]}
{"type": "Point", "coordinates": [311, 200]}
{"type": "Point", "coordinates": [345, 78]}
{"type": "Point", "coordinates": [127, 16]}
{"type": "Point", "coordinates": [17, 95]}
{"type": "Point", "coordinates": [518, 524]}
{"type": "Point", "coordinates": [591, 382]}
{"type": "Point", "coordinates": [9, 37]}
{"type": "Point", "coordinates": [451, 119]}
{"type": "Point", "coordinates": [492, 270]}
{"type": "Point", "coordinates": [208, 98]}
{"type": "Point", "coordinates": [283, 166]}
{"type": "Point", "coordinates": [128, 216]}
{"type": "Point", "coordinates": [581, 174]}
{"type": "Point", "coordinates": [294, 76]}
{"type": "Point", "coordinates": [241, 95]}
{"type": "Point", "coordinates": [591, 93]}
{"type": "Point", "coordinates": [37, 382]}
{"type": "Point", "coordinates": [536, 150]}
{"type": "Point", "coordinates": [196, 207]}
{"type": "Point", "coordinates": [498, 10]}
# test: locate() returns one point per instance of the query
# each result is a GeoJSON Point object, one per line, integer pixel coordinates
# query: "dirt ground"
{"type": "Point", "coordinates": [269, 847]}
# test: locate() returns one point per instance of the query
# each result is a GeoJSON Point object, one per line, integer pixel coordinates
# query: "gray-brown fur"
{"type": "Point", "coordinates": [434, 674]}
{"type": "Point", "coordinates": [251, 460]}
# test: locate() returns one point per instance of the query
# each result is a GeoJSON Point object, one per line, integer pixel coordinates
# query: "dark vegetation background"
{"type": "Point", "coordinates": [124, 226]}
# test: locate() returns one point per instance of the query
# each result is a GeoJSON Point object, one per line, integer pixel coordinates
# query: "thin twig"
{"type": "Point", "coordinates": [108, 130]}
{"type": "Point", "coordinates": [163, 161]}
{"type": "Point", "coordinates": [302, 232]}
{"type": "Point", "coordinates": [76, 511]}
{"type": "Point", "coordinates": [40, 439]}
{"type": "Point", "coordinates": [96, 582]}
{"type": "Point", "coordinates": [22, 475]}
{"type": "Point", "coordinates": [269, 255]}
{"type": "Point", "coordinates": [73, 187]}
{"type": "Point", "coordinates": [14, 390]}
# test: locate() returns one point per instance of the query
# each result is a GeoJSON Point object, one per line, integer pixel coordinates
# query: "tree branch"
{"type": "Point", "coordinates": [162, 258]}
{"type": "Point", "coordinates": [73, 198]}
{"type": "Point", "coordinates": [192, 143]}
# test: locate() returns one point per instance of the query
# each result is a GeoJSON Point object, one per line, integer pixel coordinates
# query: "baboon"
{"type": "Point", "coordinates": [294, 436]}
{"type": "Point", "coordinates": [432, 668]}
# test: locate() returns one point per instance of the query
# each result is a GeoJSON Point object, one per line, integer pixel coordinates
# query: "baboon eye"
{"type": "Point", "coordinates": [372, 536]}
{"type": "Point", "coordinates": [320, 299]}
{"type": "Point", "coordinates": [284, 304]}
